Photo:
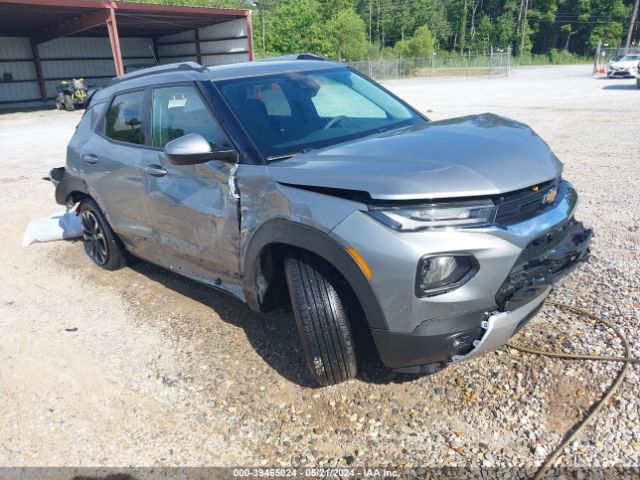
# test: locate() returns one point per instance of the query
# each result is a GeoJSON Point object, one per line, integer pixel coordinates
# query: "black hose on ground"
{"type": "Point", "coordinates": [626, 360]}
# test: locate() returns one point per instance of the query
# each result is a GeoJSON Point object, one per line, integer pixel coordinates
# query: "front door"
{"type": "Point", "coordinates": [193, 208]}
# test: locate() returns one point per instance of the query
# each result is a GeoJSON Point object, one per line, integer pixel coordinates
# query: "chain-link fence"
{"type": "Point", "coordinates": [605, 56]}
{"type": "Point", "coordinates": [496, 64]}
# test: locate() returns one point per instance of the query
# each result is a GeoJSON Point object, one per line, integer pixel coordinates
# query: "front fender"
{"type": "Point", "coordinates": [284, 232]}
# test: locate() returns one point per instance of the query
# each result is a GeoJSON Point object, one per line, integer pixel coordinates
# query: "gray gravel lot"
{"type": "Point", "coordinates": [96, 396]}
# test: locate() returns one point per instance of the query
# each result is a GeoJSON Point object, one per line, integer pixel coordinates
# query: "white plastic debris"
{"type": "Point", "coordinates": [58, 226]}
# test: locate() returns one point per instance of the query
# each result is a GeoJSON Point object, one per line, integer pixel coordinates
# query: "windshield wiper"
{"type": "Point", "coordinates": [286, 156]}
{"type": "Point", "coordinates": [275, 158]}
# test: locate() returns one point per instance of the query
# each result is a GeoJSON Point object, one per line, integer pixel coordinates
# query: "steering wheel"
{"type": "Point", "coordinates": [333, 121]}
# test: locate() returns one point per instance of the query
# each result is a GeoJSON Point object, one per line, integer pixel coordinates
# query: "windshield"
{"type": "Point", "coordinates": [630, 58]}
{"type": "Point", "coordinates": [295, 112]}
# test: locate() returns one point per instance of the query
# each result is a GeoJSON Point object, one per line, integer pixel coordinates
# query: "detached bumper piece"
{"type": "Point", "coordinates": [544, 261]}
{"type": "Point", "coordinates": [56, 175]}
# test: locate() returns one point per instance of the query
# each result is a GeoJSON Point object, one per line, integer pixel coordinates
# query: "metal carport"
{"type": "Point", "coordinates": [45, 41]}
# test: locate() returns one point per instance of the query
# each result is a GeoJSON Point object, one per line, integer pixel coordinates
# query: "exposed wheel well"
{"type": "Point", "coordinates": [75, 197]}
{"type": "Point", "coordinates": [271, 282]}
{"type": "Point", "coordinates": [264, 276]}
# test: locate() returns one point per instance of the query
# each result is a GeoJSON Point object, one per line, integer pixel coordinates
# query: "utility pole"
{"type": "Point", "coordinates": [632, 23]}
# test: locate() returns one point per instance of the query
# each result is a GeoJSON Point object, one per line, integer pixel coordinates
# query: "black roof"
{"type": "Point", "coordinates": [191, 71]}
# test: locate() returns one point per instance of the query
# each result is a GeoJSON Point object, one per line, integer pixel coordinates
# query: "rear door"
{"type": "Point", "coordinates": [114, 162]}
{"type": "Point", "coordinates": [193, 208]}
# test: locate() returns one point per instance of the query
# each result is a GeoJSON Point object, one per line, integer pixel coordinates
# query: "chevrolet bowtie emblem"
{"type": "Point", "coordinates": [550, 196]}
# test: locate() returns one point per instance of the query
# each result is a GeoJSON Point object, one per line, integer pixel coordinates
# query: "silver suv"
{"type": "Point", "coordinates": [303, 181]}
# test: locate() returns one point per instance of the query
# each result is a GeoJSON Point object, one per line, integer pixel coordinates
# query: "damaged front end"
{"type": "Point", "coordinates": [521, 296]}
{"type": "Point", "coordinates": [543, 261]}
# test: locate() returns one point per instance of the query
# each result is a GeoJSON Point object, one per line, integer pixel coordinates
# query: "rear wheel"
{"type": "Point", "coordinates": [100, 243]}
{"type": "Point", "coordinates": [321, 319]}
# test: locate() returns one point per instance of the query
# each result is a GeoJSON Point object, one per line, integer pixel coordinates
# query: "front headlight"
{"type": "Point", "coordinates": [458, 214]}
{"type": "Point", "coordinates": [442, 273]}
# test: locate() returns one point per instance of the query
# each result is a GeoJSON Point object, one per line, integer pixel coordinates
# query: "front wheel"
{"type": "Point", "coordinates": [68, 103]}
{"type": "Point", "coordinates": [100, 243]}
{"type": "Point", "coordinates": [322, 322]}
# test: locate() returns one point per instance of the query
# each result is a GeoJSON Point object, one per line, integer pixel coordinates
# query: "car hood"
{"type": "Point", "coordinates": [461, 157]}
{"type": "Point", "coordinates": [628, 64]}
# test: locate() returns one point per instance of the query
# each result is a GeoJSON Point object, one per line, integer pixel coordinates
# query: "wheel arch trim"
{"type": "Point", "coordinates": [67, 186]}
{"type": "Point", "coordinates": [285, 232]}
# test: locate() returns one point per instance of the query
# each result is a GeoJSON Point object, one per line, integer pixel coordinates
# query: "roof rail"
{"type": "Point", "coordinates": [171, 67]}
{"type": "Point", "coordinates": [293, 56]}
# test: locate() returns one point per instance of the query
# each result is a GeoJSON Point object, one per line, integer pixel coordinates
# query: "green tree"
{"type": "Point", "coordinates": [483, 37]}
{"type": "Point", "coordinates": [612, 15]}
{"type": "Point", "coordinates": [346, 32]}
{"type": "Point", "coordinates": [505, 31]}
{"type": "Point", "coordinates": [330, 8]}
{"type": "Point", "coordinates": [420, 45]}
{"type": "Point", "coordinates": [389, 26]}
{"type": "Point", "coordinates": [294, 26]}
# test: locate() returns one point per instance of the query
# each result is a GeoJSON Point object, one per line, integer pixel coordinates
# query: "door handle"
{"type": "Point", "coordinates": [155, 170]}
{"type": "Point", "coordinates": [90, 158]}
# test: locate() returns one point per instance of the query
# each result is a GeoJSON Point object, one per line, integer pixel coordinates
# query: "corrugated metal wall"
{"type": "Point", "coordinates": [63, 58]}
{"type": "Point", "coordinates": [16, 60]}
{"type": "Point", "coordinates": [219, 44]}
{"type": "Point", "coordinates": [91, 58]}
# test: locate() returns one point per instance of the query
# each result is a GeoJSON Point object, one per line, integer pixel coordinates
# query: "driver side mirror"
{"type": "Point", "coordinates": [193, 149]}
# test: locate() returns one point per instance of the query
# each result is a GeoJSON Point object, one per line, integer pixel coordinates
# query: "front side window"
{"type": "Point", "coordinates": [299, 111]}
{"type": "Point", "coordinates": [124, 118]}
{"type": "Point", "coordinates": [179, 111]}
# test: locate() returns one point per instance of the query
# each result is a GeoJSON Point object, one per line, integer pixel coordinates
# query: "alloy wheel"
{"type": "Point", "coordinates": [95, 243]}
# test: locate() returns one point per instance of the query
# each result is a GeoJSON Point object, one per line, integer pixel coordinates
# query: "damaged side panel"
{"type": "Point", "coordinates": [262, 200]}
{"type": "Point", "coordinates": [193, 212]}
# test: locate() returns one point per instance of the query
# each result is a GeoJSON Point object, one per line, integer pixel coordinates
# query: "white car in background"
{"type": "Point", "coordinates": [626, 67]}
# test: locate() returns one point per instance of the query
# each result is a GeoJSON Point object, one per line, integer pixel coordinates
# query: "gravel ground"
{"type": "Point", "coordinates": [241, 395]}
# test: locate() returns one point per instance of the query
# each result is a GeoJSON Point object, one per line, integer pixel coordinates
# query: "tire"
{"type": "Point", "coordinates": [638, 83]}
{"type": "Point", "coordinates": [321, 318]}
{"type": "Point", "coordinates": [68, 103]}
{"type": "Point", "coordinates": [100, 243]}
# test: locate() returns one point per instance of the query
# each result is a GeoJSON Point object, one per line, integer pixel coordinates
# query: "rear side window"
{"type": "Point", "coordinates": [124, 118]}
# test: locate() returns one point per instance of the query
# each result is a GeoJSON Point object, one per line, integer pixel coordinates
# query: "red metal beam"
{"type": "Point", "coordinates": [154, 7]}
{"type": "Point", "coordinates": [114, 39]}
{"type": "Point", "coordinates": [38, 64]}
{"type": "Point", "coordinates": [88, 4]}
{"type": "Point", "coordinates": [76, 25]}
{"type": "Point", "coordinates": [247, 19]}
{"type": "Point", "coordinates": [137, 7]}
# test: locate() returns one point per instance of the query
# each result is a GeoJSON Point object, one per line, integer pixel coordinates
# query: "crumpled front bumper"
{"type": "Point", "coordinates": [501, 326]}
{"type": "Point", "coordinates": [522, 294]}
{"type": "Point", "coordinates": [435, 343]}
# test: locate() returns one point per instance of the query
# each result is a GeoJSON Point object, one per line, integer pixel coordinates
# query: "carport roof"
{"type": "Point", "coordinates": [41, 18]}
